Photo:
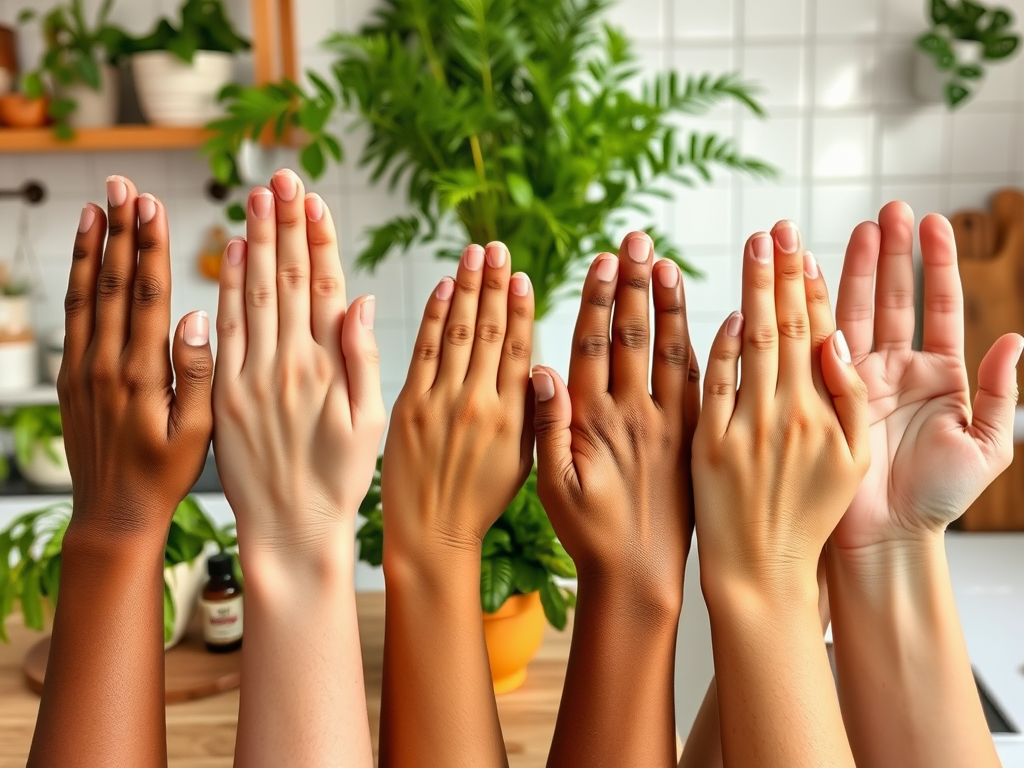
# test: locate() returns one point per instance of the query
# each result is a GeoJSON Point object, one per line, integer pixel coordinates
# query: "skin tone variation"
{"type": "Point", "coordinates": [613, 459]}
{"type": "Point", "coordinates": [137, 432]}
{"type": "Point", "coordinates": [459, 447]}
{"type": "Point", "coordinates": [776, 462]}
{"type": "Point", "coordinates": [298, 418]}
{"type": "Point", "coordinates": [905, 682]}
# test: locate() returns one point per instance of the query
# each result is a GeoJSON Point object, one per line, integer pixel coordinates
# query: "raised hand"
{"type": "Point", "coordinates": [613, 474]}
{"type": "Point", "coordinates": [299, 417]}
{"type": "Point", "coordinates": [775, 466]}
{"type": "Point", "coordinates": [137, 432]}
{"type": "Point", "coordinates": [459, 447]}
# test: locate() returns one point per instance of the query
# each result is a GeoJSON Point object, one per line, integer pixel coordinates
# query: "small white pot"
{"type": "Point", "coordinates": [43, 472]}
{"type": "Point", "coordinates": [19, 366]}
{"type": "Point", "coordinates": [186, 584]}
{"type": "Point", "coordinates": [15, 316]}
{"type": "Point", "coordinates": [930, 81]}
{"type": "Point", "coordinates": [96, 109]}
{"type": "Point", "coordinates": [172, 92]}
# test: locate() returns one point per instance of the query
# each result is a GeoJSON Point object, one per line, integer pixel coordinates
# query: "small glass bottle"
{"type": "Point", "coordinates": [222, 606]}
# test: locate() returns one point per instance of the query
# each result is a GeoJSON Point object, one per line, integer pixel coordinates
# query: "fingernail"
{"type": "Point", "coordinates": [197, 329]}
{"type": "Point", "coordinates": [445, 289]}
{"type": "Point", "coordinates": [786, 235]}
{"type": "Point", "coordinates": [810, 265]}
{"type": "Point", "coordinates": [235, 252]}
{"type": "Point", "coordinates": [286, 184]}
{"type": "Point", "coordinates": [761, 249]}
{"type": "Point", "coordinates": [473, 258]}
{"type": "Point", "coordinates": [147, 208]}
{"type": "Point", "coordinates": [668, 275]}
{"type": "Point", "coordinates": [607, 269]}
{"type": "Point", "coordinates": [262, 202]}
{"type": "Point", "coordinates": [842, 348]}
{"type": "Point", "coordinates": [117, 191]}
{"type": "Point", "coordinates": [1020, 348]}
{"type": "Point", "coordinates": [734, 326]}
{"type": "Point", "coordinates": [639, 249]}
{"type": "Point", "coordinates": [543, 386]}
{"type": "Point", "coordinates": [495, 255]}
{"type": "Point", "coordinates": [87, 220]}
{"type": "Point", "coordinates": [367, 312]}
{"type": "Point", "coordinates": [520, 284]}
{"type": "Point", "coordinates": [314, 208]}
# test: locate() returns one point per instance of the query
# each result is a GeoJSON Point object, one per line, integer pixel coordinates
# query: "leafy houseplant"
{"type": "Point", "coordinates": [77, 55]}
{"type": "Point", "coordinates": [522, 120]}
{"type": "Point", "coordinates": [204, 26]}
{"type": "Point", "coordinates": [32, 542]}
{"type": "Point", "coordinates": [520, 552]}
{"type": "Point", "coordinates": [956, 22]}
{"type": "Point", "coordinates": [38, 444]}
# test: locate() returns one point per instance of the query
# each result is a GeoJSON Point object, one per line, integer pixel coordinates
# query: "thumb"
{"type": "Point", "coordinates": [552, 418]}
{"type": "Point", "coordinates": [996, 400]}
{"type": "Point", "coordinates": [849, 393]}
{"type": "Point", "coordinates": [192, 410]}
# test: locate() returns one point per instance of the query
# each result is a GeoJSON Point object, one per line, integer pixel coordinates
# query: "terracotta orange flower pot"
{"type": "Point", "coordinates": [514, 634]}
{"type": "Point", "coordinates": [19, 111]}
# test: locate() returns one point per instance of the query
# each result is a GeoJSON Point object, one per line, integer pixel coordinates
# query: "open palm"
{"type": "Point", "coordinates": [931, 456]}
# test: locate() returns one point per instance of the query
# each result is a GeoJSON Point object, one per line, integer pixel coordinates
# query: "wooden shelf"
{"type": "Point", "coordinates": [117, 138]}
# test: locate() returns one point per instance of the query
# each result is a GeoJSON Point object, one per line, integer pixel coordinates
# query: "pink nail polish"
{"type": "Point", "coordinates": [261, 204]}
{"type": "Point", "coordinates": [117, 191]}
{"type": "Point", "coordinates": [473, 258]}
{"type": "Point", "coordinates": [842, 348]}
{"type": "Point", "coordinates": [786, 236]}
{"type": "Point", "coordinates": [367, 312]}
{"type": "Point", "coordinates": [314, 208]}
{"type": "Point", "coordinates": [734, 325]}
{"type": "Point", "coordinates": [543, 386]}
{"type": "Point", "coordinates": [197, 329]}
{"type": "Point", "coordinates": [87, 220]}
{"type": "Point", "coordinates": [520, 284]}
{"type": "Point", "coordinates": [147, 208]}
{"type": "Point", "coordinates": [668, 275]}
{"type": "Point", "coordinates": [639, 249]}
{"type": "Point", "coordinates": [607, 269]}
{"type": "Point", "coordinates": [286, 185]}
{"type": "Point", "coordinates": [235, 252]}
{"type": "Point", "coordinates": [761, 248]}
{"type": "Point", "coordinates": [810, 265]}
{"type": "Point", "coordinates": [495, 255]}
{"type": "Point", "coordinates": [445, 289]}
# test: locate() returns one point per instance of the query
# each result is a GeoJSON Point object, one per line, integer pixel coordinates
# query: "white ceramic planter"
{"type": "Point", "coordinates": [172, 92]}
{"type": "Point", "coordinates": [43, 472]}
{"type": "Point", "coordinates": [96, 109]}
{"type": "Point", "coordinates": [186, 584]}
{"type": "Point", "coordinates": [19, 366]}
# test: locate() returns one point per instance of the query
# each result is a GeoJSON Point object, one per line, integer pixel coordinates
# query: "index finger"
{"type": "Point", "coordinates": [80, 300]}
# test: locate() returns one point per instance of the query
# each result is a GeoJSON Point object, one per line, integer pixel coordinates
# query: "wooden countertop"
{"type": "Point", "coordinates": [201, 734]}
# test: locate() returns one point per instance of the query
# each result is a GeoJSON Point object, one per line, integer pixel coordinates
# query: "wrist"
{"type": "Point", "coordinates": [91, 533]}
{"type": "Point", "coordinates": [435, 565]}
{"type": "Point", "coordinates": [780, 594]}
{"type": "Point", "coordinates": [889, 561]}
{"type": "Point", "coordinates": [655, 602]}
{"type": "Point", "coordinates": [278, 561]}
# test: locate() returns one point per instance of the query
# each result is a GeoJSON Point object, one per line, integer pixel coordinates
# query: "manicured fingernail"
{"type": "Point", "coordinates": [367, 312]}
{"type": "Point", "coordinates": [786, 235]}
{"type": "Point", "coordinates": [668, 275]}
{"type": "Point", "coordinates": [445, 289]}
{"type": "Point", "coordinates": [314, 208]}
{"type": "Point", "coordinates": [473, 258]}
{"type": "Point", "coordinates": [734, 325]}
{"type": "Point", "coordinates": [147, 208]}
{"type": "Point", "coordinates": [117, 191]}
{"type": "Point", "coordinates": [495, 255]}
{"type": "Point", "coordinates": [607, 269]}
{"type": "Point", "coordinates": [543, 386]}
{"type": "Point", "coordinates": [520, 284]}
{"type": "Point", "coordinates": [761, 249]}
{"type": "Point", "coordinates": [197, 329]}
{"type": "Point", "coordinates": [87, 220]}
{"type": "Point", "coordinates": [639, 249]}
{"type": "Point", "coordinates": [262, 202]}
{"type": "Point", "coordinates": [842, 348]}
{"type": "Point", "coordinates": [1020, 349]}
{"type": "Point", "coordinates": [810, 265]}
{"type": "Point", "coordinates": [235, 252]}
{"type": "Point", "coordinates": [286, 184]}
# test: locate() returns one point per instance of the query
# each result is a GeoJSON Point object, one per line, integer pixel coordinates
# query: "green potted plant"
{"type": "Point", "coordinates": [39, 451]}
{"type": "Point", "coordinates": [180, 69]}
{"type": "Point", "coordinates": [80, 62]}
{"type": "Point", "coordinates": [30, 559]}
{"type": "Point", "coordinates": [526, 124]}
{"type": "Point", "coordinates": [951, 56]}
{"type": "Point", "coordinates": [521, 560]}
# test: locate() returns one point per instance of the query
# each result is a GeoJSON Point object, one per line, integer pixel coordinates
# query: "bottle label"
{"type": "Point", "coordinates": [222, 620]}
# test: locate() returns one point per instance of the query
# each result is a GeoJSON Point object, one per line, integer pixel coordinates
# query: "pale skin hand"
{"type": "Point", "coordinates": [136, 444]}
{"type": "Point", "coordinates": [613, 461]}
{"type": "Point", "coordinates": [932, 456]}
{"type": "Point", "coordinates": [459, 447]}
{"type": "Point", "coordinates": [775, 466]}
{"type": "Point", "coordinates": [298, 415]}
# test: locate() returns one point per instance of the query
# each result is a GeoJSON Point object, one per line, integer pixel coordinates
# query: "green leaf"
{"type": "Point", "coordinates": [31, 598]}
{"type": "Point", "coordinates": [312, 160]}
{"type": "Point", "coordinates": [169, 613]}
{"type": "Point", "coordinates": [527, 577]}
{"type": "Point", "coordinates": [519, 190]}
{"type": "Point", "coordinates": [236, 212]}
{"type": "Point", "coordinates": [32, 84]}
{"type": "Point", "coordinates": [1000, 47]}
{"type": "Point", "coordinates": [25, 15]}
{"type": "Point", "coordinates": [495, 582]}
{"type": "Point", "coordinates": [496, 542]}
{"type": "Point", "coordinates": [956, 94]}
{"type": "Point", "coordinates": [554, 603]}
{"type": "Point", "coordinates": [970, 72]}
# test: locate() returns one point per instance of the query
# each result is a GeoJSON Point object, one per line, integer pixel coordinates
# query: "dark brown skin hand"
{"type": "Point", "coordinates": [136, 443]}
{"type": "Point", "coordinates": [614, 475]}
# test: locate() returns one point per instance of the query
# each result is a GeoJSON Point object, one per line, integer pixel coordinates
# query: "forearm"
{"type": "Point", "coordinates": [437, 706]}
{"type": "Point", "coordinates": [620, 666]}
{"type": "Point", "coordinates": [103, 699]}
{"type": "Point", "coordinates": [907, 691]}
{"type": "Point", "coordinates": [777, 699]}
{"type": "Point", "coordinates": [302, 699]}
{"type": "Point", "coordinates": [703, 746]}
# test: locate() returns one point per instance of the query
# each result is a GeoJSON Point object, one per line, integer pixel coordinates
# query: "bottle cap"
{"type": "Point", "coordinates": [220, 565]}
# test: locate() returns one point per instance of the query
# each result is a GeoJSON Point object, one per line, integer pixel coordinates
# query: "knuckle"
{"type": "Point", "coordinates": [816, 294]}
{"type": "Point", "coordinates": [425, 351]}
{"type": "Point", "coordinates": [149, 242]}
{"type": "Point", "coordinates": [110, 285]}
{"type": "Point", "coordinates": [80, 252]}
{"type": "Point", "coordinates": [262, 236]}
{"type": "Point", "coordinates": [293, 276]}
{"type": "Point", "coordinates": [319, 237]}
{"type": "Point", "coordinates": [763, 338]}
{"type": "Point", "coordinates": [593, 345]}
{"type": "Point", "coordinates": [674, 355]}
{"type": "Point", "coordinates": [522, 312]}
{"type": "Point", "coordinates": [638, 283]}
{"type": "Point", "coordinates": [941, 303]}
{"type": "Point", "coordinates": [600, 299]}
{"type": "Point", "coordinates": [327, 286]}
{"type": "Point", "coordinates": [198, 370]}
{"type": "Point", "coordinates": [147, 290]}
{"type": "Point", "coordinates": [633, 335]}
{"type": "Point", "coordinates": [516, 350]}
{"type": "Point", "coordinates": [791, 270]}
{"type": "Point", "coordinates": [490, 332]}
{"type": "Point", "coordinates": [288, 219]}
{"type": "Point", "coordinates": [116, 227]}
{"type": "Point", "coordinates": [75, 302]}
{"type": "Point", "coordinates": [467, 286]}
{"type": "Point", "coordinates": [896, 299]}
{"type": "Point", "coordinates": [259, 296]}
{"type": "Point", "coordinates": [459, 334]}
{"type": "Point", "coordinates": [720, 387]}
{"type": "Point", "coordinates": [762, 281]}
{"type": "Point", "coordinates": [228, 327]}
{"type": "Point", "coordinates": [494, 283]}
{"type": "Point", "coordinates": [794, 326]}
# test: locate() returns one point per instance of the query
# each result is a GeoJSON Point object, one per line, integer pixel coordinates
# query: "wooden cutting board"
{"type": "Point", "coordinates": [990, 250]}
